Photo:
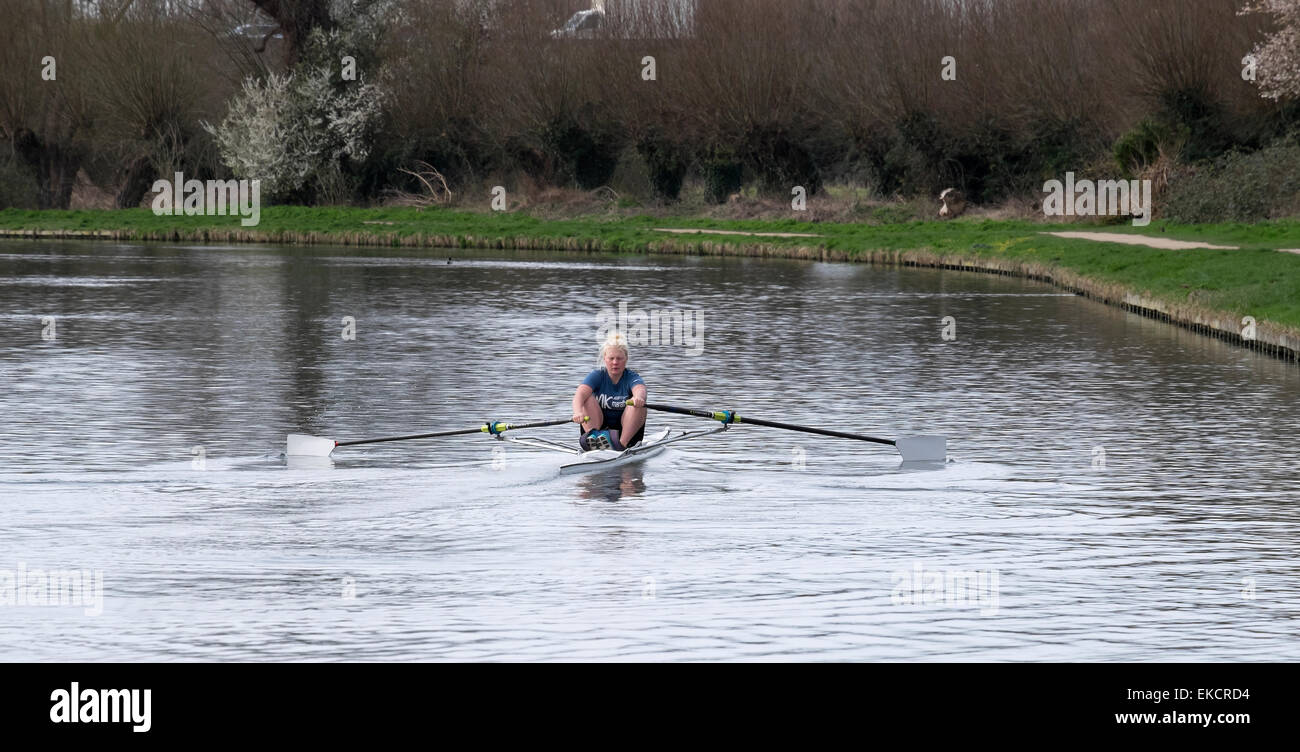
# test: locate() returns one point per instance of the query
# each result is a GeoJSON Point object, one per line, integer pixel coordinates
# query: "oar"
{"type": "Point", "coordinates": [300, 445]}
{"type": "Point", "coordinates": [912, 448]}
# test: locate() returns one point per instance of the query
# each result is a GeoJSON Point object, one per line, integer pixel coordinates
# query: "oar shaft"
{"type": "Point", "coordinates": [821, 431]}
{"type": "Point", "coordinates": [735, 418]}
{"type": "Point", "coordinates": [685, 411]}
{"type": "Point", "coordinates": [498, 427]}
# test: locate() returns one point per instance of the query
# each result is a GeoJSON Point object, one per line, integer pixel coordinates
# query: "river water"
{"type": "Point", "coordinates": [1117, 489]}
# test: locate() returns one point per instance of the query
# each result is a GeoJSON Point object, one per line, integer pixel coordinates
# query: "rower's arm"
{"type": "Point", "coordinates": [638, 394]}
{"type": "Point", "coordinates": [580, 398]}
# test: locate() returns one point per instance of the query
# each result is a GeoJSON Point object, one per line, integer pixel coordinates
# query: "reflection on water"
{"type": "Point", "coordinates": [1131, 485]}
{"type": "Point", "coordinates": [613, 484]}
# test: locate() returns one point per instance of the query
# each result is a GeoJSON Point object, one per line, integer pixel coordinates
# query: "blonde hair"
{"type": "Point", "coordinates": [615, 341]}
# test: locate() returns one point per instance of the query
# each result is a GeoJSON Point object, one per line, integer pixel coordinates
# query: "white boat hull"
{"type": "Point", "coordinates": [606, 458]}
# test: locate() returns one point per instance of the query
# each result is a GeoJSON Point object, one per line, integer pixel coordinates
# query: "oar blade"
{"type": "Point", "coordinates": [923, 448]}
{"type": "Point", "coordinates": [301, 445]}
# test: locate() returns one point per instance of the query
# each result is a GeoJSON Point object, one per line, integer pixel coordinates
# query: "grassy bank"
{"type": "Point", "coordinates": [1255, 280]}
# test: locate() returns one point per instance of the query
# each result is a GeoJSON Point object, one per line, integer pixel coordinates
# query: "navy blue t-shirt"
{"type": "Point", "coordinates": [612, 397]}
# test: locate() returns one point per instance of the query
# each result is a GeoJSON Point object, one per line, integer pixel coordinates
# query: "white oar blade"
{"type": "Point", "coordinates": [923, 448]}
{"type": "Point", "coordinates": [301, 445]}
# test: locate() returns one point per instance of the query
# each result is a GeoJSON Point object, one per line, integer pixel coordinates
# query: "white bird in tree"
{"type": "Point", "coordinates": [583, 21]}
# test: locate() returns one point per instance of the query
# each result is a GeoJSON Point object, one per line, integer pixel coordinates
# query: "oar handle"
{"type": "Point", "coordinates": [727, 416]}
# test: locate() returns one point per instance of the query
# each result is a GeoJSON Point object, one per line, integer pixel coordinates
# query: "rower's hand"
{"type": "Point", "coordinates": [580, 419]}
{"type": "Point", "coordinates": [630, 401]}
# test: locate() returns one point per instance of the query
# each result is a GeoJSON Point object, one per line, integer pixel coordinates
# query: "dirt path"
{"type": "Point", "coordinates": [1167, 243]}
{"type": "Point", "coordinates": [1105, 237]}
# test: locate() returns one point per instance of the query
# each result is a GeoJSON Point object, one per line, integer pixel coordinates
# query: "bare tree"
{"type": "Point", "coordinates": [45, 112]}
{"type": "Point", "coordinates": [296, 19]}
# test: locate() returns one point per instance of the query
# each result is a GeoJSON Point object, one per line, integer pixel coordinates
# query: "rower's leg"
{"type": "Point", "coordinates": [633, 419]}
{"type": "Point", "coordinates": [591, 409]}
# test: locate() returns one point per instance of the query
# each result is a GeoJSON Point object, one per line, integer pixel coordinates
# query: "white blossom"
{"type": "Point", "coordinates": [288, 129]}
{"type": "Point", "coordinates": [1278, 56]}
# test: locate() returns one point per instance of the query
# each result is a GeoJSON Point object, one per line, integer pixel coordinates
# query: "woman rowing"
{"type": "Point", "coordinates": [610, 403]}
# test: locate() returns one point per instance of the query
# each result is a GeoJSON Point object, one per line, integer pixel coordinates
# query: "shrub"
{"type": "Point", "coordinates": [1143, 145]}
{"type": "Point", "coordinates": [1194, 112]}
{"type": "Point", "coordinates": [1239, 187]}
{"type": "Point", "coordinates": [780, 162]}
{"type": "Point", "coordinates": [723, 174]}
{"type": "Point", "coordinates": [588, 147]}
{"type": "Point", "coordinates": [291, 131]}
{"type": "Point", "coordinates": [667, 162]}
{"type": "Point", "coordinates": [304, 131]}
{"type": "Point", "coordinates": [1279, 56]}
{"type": "Point", "coordinates": [18, 186]}
{"type": "Point", "coordinates": [1056, 146]}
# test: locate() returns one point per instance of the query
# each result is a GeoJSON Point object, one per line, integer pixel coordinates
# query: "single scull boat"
{"type": "Point", "coordinates": [910, 448]}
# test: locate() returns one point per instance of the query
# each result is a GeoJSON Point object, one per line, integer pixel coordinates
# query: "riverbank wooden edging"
{"type": "Point", "coordinates": [1278, 341]}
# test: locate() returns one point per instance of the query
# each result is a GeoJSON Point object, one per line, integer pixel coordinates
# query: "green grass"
{"type": "Point", "coordinates": [1256, 280]}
